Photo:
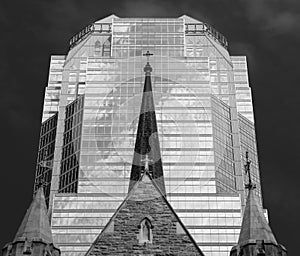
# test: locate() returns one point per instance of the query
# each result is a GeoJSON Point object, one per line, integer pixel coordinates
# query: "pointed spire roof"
{"type": "Point", "coordinates": [256, 236]}
{"type": "Point", "coordinates": [35, 224]}
{"type": "Point", "coordinates": [147, 142]}
{"type": "Point", "coordinates": [254, 225]}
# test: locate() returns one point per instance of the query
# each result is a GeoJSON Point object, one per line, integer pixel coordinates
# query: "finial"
{"type": "Point", "coordinates": [148, 68]}
{"type": "Point", "coordinates": [250, 185]}
{"type": "Point", "coordinates": [41, 183]}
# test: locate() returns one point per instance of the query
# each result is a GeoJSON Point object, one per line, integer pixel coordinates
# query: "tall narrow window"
{"type": "Point", "coordinates": [260, 248]}
{"type": "Point", "coordinates": [27, 249]}
{"type": "Point", "coordinates": [145, 235]}
{"type": "Point", "coordinates": [146, 230]}
{"type": "Point", "coordinates": [97, 47]}
{"type": "Point", "coordinates": [106, 48]}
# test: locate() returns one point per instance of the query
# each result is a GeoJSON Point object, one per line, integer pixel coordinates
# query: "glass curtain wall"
{"type": "Point", "coordinates": [193, 83]}
{"type": "Point", "coordinates": [45, 155]}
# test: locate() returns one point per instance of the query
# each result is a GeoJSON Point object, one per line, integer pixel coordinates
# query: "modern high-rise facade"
{"type": "Point", "coordinates": [205, 124]}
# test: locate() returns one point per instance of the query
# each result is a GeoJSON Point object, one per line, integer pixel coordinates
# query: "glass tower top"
{"type": "Point", "coordinates": [205, 125]}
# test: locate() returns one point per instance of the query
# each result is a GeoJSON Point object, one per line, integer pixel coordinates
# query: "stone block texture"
{"type": "Point", "coordinates": [145, 200]}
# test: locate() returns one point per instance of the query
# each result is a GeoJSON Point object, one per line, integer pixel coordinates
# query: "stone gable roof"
{"type": "Point", "coordinates": [121, 234]}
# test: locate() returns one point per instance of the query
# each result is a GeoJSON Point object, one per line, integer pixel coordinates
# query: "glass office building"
{"type": "Point", "coordinates": [205, 124]}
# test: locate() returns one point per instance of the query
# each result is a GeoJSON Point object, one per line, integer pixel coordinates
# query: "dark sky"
{"type": "Point", "coordinates": [266, 31]}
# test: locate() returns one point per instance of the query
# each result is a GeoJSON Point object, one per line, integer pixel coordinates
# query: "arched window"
{"type": "Point", "coordinates": [145, 235]}
{"type": "Point", "coordinates": [106, 48]}
{"type": "Point", "coordinates": [97, 47]}
{"type": "Point", "coordinates": [146, 228]}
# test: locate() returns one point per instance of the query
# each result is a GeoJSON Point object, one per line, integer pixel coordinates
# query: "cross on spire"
{"type": "Point", "coordinates": [146, 160]}
{"type": "Point", "coordinates": [148, 68]}
{"type": "Point", "coordinates": [41, 183]}
{"type": "Point", "coordinates": [250, 185]}
{"type": "Point", "coordinates": [148, 54]}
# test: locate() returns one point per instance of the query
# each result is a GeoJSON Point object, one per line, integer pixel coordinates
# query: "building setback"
{"type": "Point", "coordinates": [205, 124]}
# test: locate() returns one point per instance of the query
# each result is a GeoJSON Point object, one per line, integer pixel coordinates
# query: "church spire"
{"type": "Point", "coordinates": [147, 142]}
{"type": "Point", "coordinates": [256, 236]}
{"type": "Point", "coordinates": [35, 223]}
{"type": "Point", "coordinates": [34, 233]}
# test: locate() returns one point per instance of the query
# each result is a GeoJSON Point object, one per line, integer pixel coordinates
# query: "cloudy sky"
{"type": "Point", "coordinates": [267, 32]}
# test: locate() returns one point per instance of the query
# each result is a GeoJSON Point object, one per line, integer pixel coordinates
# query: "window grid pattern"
{"type": "Point", "coordinates": [45, 155]}
{"type": "Point", "coordinates": [192, 28]}
{"type": "Point", "coordinates": [248, 143]}
{"type": "Point", "coordinates": [242, 88]}
{"type": "Point", "coordinates": [52, 91]}
{"type": "Point", "coordinates": [162, 37]}
{"type": "Point", "coordinates": [223, 145]}
{"type": "Point", "coordinates": [218, 219]}
{"type": "Point", "coordinates": [182, 93]}
{"type": "Point", "coordinates": [193, 82]}
{"type": "Point", "coordinates": [69, 168]}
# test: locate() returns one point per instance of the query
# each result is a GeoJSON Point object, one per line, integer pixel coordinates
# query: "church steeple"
{"type": "Point", "coordinates": [147, 142]}
{"type": "Point", "coordinates": [256, 236]}
{"type": "Point", "coordinates": [34, 235]}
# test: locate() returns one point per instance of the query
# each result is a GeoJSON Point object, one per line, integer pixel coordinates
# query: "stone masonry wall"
{"type": "Point", "coordinates": [122, 239]}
